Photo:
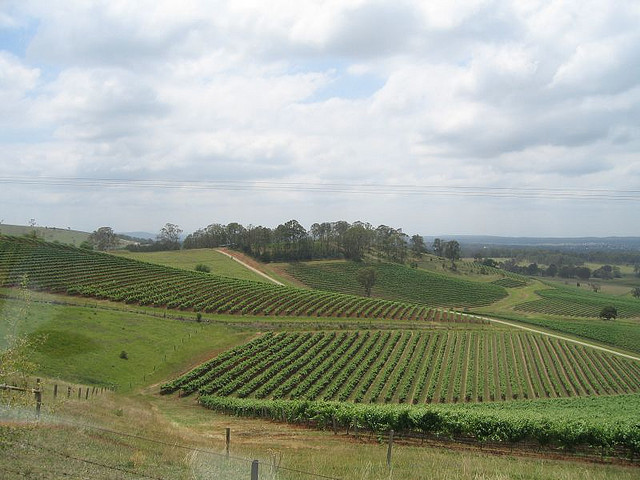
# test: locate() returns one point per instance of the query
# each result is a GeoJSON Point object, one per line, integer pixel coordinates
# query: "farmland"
{"type": "Point", "coordinates": [411, 367]}
{"type": "Point", "coordinates": [398, 282]}
{"type": "Point", "coordinates": [578, 303]}
{"type": "Point", "coordinates": [73, 271]}
{"type": "Point", "coordinates": [320, 357]}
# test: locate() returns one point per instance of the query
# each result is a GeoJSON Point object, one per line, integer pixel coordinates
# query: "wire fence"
{"type": "Point", "coordinates": [70, 455]}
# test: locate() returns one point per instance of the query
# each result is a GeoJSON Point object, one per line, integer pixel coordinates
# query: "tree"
{"type": "Point", "coordinates": [367, 278]}
{"type": "Point", "coordinates": [552, 270]}
{"type": "Point", "coordinates": [452, 251]}
{"type": "Point", "coordinates": [169, 236]}
{"type": "Point", "coordinates": [609, 312]}
{"type": "Point", "coordinates": [438, 247]}
{"type": "Point", "coordinates": [103, 238]}
{"type": "Point", "coordinates": [417, 245]}
{"type": "Point", "coordinates": [356, 241]}
{"type": "Point", "coordinates": [583, 273]}
{"type": "Point", "coordinates": [636, 292]}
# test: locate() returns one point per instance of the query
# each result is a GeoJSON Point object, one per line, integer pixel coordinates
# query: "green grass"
{"type": "Point", "coordinates": [53, 449]}
{"type": "Point", "coordinates": [188, 259]}
{"type": "Point", "coordinates": [83, 344]}
{"type": "Point", "coordinates": [398, 282]}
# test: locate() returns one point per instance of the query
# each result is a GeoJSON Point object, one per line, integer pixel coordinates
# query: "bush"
{"type": "Point", "coordinates": [609, 312]}
{"type": "Point", "coordinates": [201, 267]}
{"type": "Point", "coordinates": [124, 355]}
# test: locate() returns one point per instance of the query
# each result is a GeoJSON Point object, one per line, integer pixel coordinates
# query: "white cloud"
{"type": "Point", "coordinates": [478, 92]}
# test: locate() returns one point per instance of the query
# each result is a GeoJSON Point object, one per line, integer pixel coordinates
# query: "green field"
{"type": "Point", "coordinates": [398, 282]}
{"type": "Point", "coordinates": [83, 344]}
{"type": "Point", "coordinates": [188, 259]}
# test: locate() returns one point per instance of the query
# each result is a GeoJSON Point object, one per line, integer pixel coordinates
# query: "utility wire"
{"type": "Point", "coordinates": [347, 188]}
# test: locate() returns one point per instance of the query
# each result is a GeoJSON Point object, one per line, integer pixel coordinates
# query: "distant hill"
{"type": "Point", "coordinates": [569, 243]}
{"type": "Point", "coordinates": [50, 234]}
{"type": "Point", "coordinates": [143, 235]}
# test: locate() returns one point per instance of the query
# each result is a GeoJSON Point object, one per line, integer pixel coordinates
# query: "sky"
{"type": "Point", "coordinates": [514, 118]}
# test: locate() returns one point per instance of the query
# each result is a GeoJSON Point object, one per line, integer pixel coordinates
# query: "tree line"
{"type": "Point", "coordinates": [290, 241]}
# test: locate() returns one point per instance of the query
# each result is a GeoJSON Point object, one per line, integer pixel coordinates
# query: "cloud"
{"type": "Point", "coordinates": [477, 92]}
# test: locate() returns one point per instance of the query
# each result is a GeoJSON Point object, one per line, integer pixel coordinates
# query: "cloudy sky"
{"type": "Point", "coordinates": [441, 117]}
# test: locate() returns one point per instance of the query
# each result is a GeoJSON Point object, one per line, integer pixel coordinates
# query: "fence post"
{"type": "Point", "coordinates": [86, 393]}
{"type": "Point", "coordinates": [389, 448]}
{"type": "Point", "coordinates": [79, 392]}
{"type": "Point", "coordinates": [254, 470]}
{"type": "Point", "coordinates": [38, 394]}
{"type": "Point", "coordinates": [68, 392]}
{"type": "Point", "coordinates": [227, 441]}
{"type": "Point", "coordinates": [55, 391]}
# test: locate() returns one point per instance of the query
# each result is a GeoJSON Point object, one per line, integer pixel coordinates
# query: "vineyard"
{"type": "Point", "coordinates": [508, 282]}
{"type": "Point", "coordinates": [410, 367]}
{"type": "Point", "coordinates": [73, 271]}
{"type": "Point", "coordinates": [609, 426]}
{"type": "Point", "coordinates": [398, 282]}
{"type": "Point", "coordinates": [575, 303]}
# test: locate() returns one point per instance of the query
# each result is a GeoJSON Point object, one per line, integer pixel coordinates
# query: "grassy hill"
{"type": "Point", "coordinates": [188, 259]}
{"type": "Point", "coordinates": [398, 282]}
{"type": "Point", "coordinates": [50, 234]}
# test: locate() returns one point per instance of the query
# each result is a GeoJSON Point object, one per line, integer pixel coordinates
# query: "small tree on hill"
{"type": "Point", "coordinates": [367, 278]}
{"type": "Point", "coordinates": [609, 313]}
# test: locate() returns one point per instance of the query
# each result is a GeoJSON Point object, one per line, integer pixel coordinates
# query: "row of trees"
{"type": "Point", "coordinates": [605, 272]}
{"type": "Point", "coordinates": [290, 241]}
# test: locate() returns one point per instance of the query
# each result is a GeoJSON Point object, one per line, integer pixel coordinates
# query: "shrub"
{"type": "Point", "coordinates": [124, 355]}
{"type": "Point", "coordinates": [201, 267]}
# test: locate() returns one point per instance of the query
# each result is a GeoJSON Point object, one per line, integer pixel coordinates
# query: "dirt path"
{"type": "Point", "coordinates": [560, 337]}
{"type": "Point", "coordinates": [253, 269]}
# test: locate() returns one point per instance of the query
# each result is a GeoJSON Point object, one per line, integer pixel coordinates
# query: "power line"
{"type": "Point", "coordinates": [325, 187]}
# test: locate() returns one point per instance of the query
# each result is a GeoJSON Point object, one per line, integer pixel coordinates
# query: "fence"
{"type": "Point", "coordinates": [204, 463]}
{"type": "Point", "coordinates": [38, 391]}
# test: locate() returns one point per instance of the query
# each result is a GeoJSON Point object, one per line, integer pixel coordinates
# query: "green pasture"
{"type": "Point", "coordinates": [84, 344]}
{"type": "Point", "coordinates": [188, 259]}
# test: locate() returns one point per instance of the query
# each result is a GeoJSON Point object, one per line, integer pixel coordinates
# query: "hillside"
{"type": "Point", "coordinates": [65, 269]}
{"type": "Point", "coordinates": [50, 234]}
{"type": "Point", "coordinates": [398, 282]}
{"type": "Point", "coordinates": [416, 369]}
